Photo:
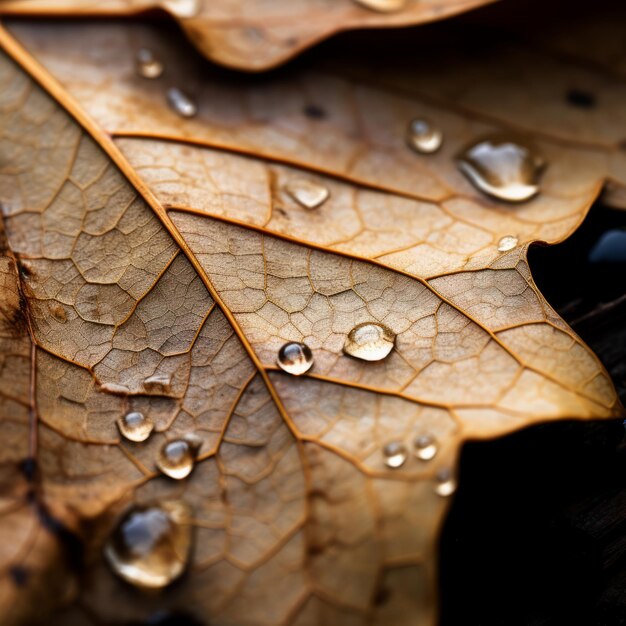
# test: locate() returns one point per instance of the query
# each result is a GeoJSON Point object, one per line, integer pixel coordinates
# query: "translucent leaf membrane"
{"type": "Point", "coordinates": [255, 34]}
{"type": "Point", "coordinates": [163, 266]}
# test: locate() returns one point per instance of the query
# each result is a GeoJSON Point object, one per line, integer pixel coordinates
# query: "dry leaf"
{"type": "Point", "coordinates": [164, 261]}
{"type": "Point", "coordinates": [259, 34]}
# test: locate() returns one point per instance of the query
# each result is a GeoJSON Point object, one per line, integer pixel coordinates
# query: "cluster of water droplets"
{"type": "Point", "coordinates": [151, 67]}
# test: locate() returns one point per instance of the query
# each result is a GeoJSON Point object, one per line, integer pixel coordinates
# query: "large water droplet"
{"type": "Point", "coordinates": [307, 192]}
{"type": "Point", "coordinates": [425, 447]}
{"type": "Point", "coordinates": [150, 545]}
{"type": "Point", "coordinates": [148, 65]}
{"type": "Point", "coordinates": [369, 342]}
{"type": "Point", "coordinates": [295, 358]}
{"type": "Point", "coordinates": [423, 137]}
{"type": "Point", "coordinates": [446, 483]}
{"type": "Point", "coordinates": [505, 169]}
{"type": "Point", "coordinates": [508, 242]}
{"type": "Point", "coordinates": [384, 6]}
{"type": "Point", "coordinates": [177, 458]}
{"type": "Point", "coordinates": [610, 248]}
{"type": "Point", "coordinates": [181, 102]}
{"type": "Point", "coordinates": [395, 454]}
{"type": "Point", "coordinates": [135, 426]}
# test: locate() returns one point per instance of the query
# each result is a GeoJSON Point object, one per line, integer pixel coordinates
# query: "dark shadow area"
{"type": "Point", "coordinates": [537, 532]}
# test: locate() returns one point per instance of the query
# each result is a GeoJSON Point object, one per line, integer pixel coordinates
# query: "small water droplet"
{"type": "Point", "coordinates": [150, 545]}
{"type": "Point", "coordinates": [177, 458]}
{"type": "Point", "coordinates": [295, 358]}
{"type": "Point", "coordinates": [503, 168]}
{"type": "Point", "coordinates": [181, 102]}
{"type": "Point", "coordinates": [384, 6]}
{"type": "Point", "coordinates": [446, 484]}
{"type": "Point", "coordinates": [182, 8]}
{"type": "Point", "coordinates": [135, 426]}
{"type": "Point", "coordinates": [508, 242]}
{"type": "Point", "coordinates": [148, 65]}
{"type": "Point", "coordinates": [159, 383]}
{"type": "Point", "coordinates": [425, 447]}
{"type": "Point", "coordinates": [423, 137]}
{"type": "Point", "coordinates": [369, 341]}
{"type": "Point", "coordinates": [307, 193]}
{"type": "Point", "coordinates": [113, 388]}
{"type": "Point", "coordinates": [395, 454]}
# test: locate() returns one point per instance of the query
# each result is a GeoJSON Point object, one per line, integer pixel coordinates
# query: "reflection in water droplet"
{"type": "Point", "coordinates": [423, 137]}
{"type": "Point", "coordinates": [369, 342]}
{"type": "Point", "coordinates": [384, 6]}
{"type": "Point", "coordinates": [446, 484]}
{"type": "Point", "coordinates": [502, 168]}
{"type": "Point", "coordinates": [150, 545]}
{"type": "Point", "coordinates": [148, 65]}
{"type": "Point", "coordinates": [508, 242]}
{"type": "Point", "coordinates": [181, 102]}
{"type": "Point", "coordinates": [307, 193]}
{"type": "Point", "coordinates": [182, 8]}
{"type": "Point", "coordinates": [295, 358]}
{"type": "Point", "coordinates": [177, 458]}
{"type": "Point", "coordinates": [395, 454]}
{"type": "Point", "coordinates": [425, 447]}
{"type": "Point", "coordinates": [135, 426]}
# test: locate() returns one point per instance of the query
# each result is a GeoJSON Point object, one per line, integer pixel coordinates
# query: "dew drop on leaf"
{"type": "Point", "coordinates": [446, 483]}
{"type": "Point", "coordinates": [425, 447]}
{"type": "Point", "coordinates": [135, 426]}
{"type": "Point", "coordinates": [177, 458]}
{"type": "Point", "coordinates": [384, 6]}
{"type": "Point", "coordinates": [307, 193]}
{"type": "Point", "coordinates": [181, 103]}
{"type": "Point", "coordinates": [508, 242]}
{"type": "Point", "coordinates": [148, 65]}
{"type": "Point", "coordinates": [150, 545]}
{"type": "Point", "coordinates": [502, 168]}
{"type": "Point", "coordinates": [369, 342]}
{"type": "Point", "coordinates": [395, 454]}
{"type": "Point", "coordinates": [159, 383]}
{"type": "Point", "coordinates": [423, 137]}
{"type": "Point", "coordinates": [295, 358]}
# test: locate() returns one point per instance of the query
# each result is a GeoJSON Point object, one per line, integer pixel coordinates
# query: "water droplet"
{"type": "Point", "coordinates": [113, 388]}
{"type": "Point", "coordinates": [425, 447]}
{"type": "Point", "coordinates": [295, 358]}
{"type": "Point", "coordinates": [446, 484]}
{"type": "Point", "coordinates": [369, 342]}
{"type": "Point", "coordinates": [384, 6]}
{"type": "Point", "coordinates": [181, 102]}
{"type": "Point", "coordinates": [503, 168]}
{"type": "Point", "coordinates": [150, 545]}
{"type": "Point", "coordinates": [307, 193]}
{"type": "Point", "coordinates": [508, 242]}
{"type": "Point", "coordinates": [182, 8]}
{"type": "Point", "coordinates": [148, 65]}
{"type": "Point", "coordinates": [395, 454]}
{"type": "Point", "coordinates": [423, 137]}
{"type": "Point", "coordinates": [177, 458]}
{"type": "Point", "coordinates": [610, 248]}
{"type": "Point", "coordinates": [135, 426]}
{"type": "Point", "coordinates": [159, 383]}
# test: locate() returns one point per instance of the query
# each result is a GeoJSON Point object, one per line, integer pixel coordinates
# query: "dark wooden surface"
{"type": "Point", "coordinates": [537, 532]}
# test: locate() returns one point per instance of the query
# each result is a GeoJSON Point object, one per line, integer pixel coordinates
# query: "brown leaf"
{"type": "Point", "coordinates": [165, 261]}
{"type": "Point", "coordinates": [257, 35]}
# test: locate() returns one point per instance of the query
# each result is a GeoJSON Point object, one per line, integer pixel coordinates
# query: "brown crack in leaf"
{"type": "Point", "coordinates": [163, 266]}
{"type": "Point", "coordinates": [255, 35]}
